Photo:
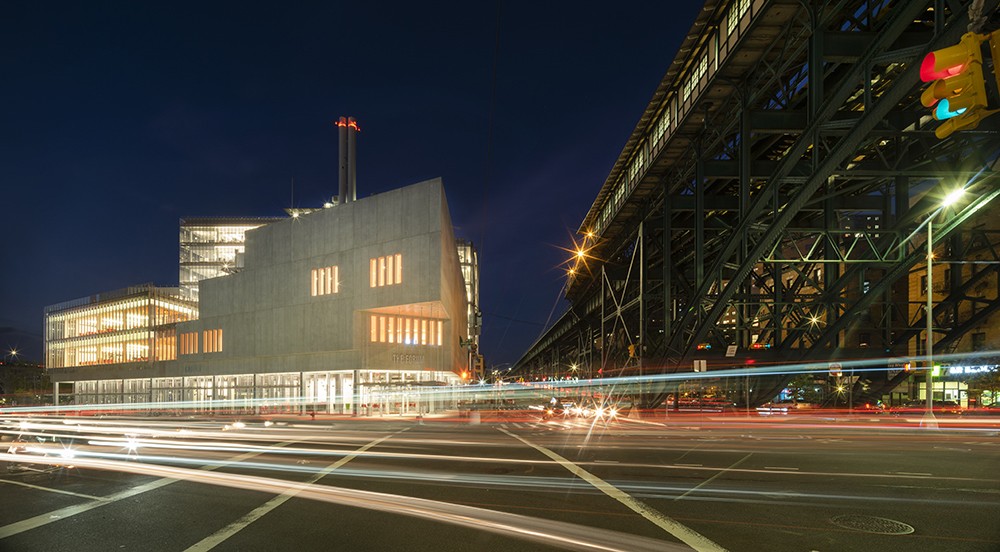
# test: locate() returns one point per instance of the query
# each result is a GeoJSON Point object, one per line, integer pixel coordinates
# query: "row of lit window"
{"type": "Point", "coordinates": [325, 281]}
{"type": "Point", "coordinates": [643, 153]}
{"type": "Point", "coordinates": [189, 343]}
{"type": "Point", "coordinates": [406, 331]}
{"type": "Point", "coordinates": [386, 271]}
{"type": "Point", "coordinates": [211, 341]}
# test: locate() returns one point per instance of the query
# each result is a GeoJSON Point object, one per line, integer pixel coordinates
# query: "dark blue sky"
{"type": "Point", "coordinates": [120, 118]}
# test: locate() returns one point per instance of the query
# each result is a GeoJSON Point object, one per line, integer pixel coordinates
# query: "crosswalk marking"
{"type": "Point", "coordinates": [221, 535]}
{"type": "Point", "coordinates": [63, 513]}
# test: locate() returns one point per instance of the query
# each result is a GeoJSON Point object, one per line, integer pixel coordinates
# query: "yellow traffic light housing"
{"type": "Point", "coordinates": [960, 92]}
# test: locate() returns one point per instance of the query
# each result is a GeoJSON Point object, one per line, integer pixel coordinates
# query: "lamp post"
{"type": "Point", "coordinates": [951, 198]}
{"type": "Point", "coordinates": [929, 385]}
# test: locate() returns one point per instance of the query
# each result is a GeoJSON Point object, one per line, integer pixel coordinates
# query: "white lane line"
{"type": "Point", "coordinates": [710, 479]}
{"type": "Point", "coordinates": [221, 535]}
{"type": "Point", "coordinates": [627, 419]}
{"type": "Point", "coordinates": [686, 535]}
{"type": "Point", "coordinates": [689, 465]}
{"type": "Point", "coordinates": [69, 511]}
{"type": "Point", "coordinates": [914, 473]}
{"type": "Point", "coordinates": [51, 490]}
{"type": "Point", "coordinates": [780, 468]}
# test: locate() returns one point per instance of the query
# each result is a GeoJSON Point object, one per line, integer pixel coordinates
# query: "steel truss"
{"type": "Point", "coordinates": [784, 215]}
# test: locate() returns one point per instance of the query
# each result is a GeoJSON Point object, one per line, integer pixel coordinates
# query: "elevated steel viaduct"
{"type": "Point", "coordinates": [774, 197]}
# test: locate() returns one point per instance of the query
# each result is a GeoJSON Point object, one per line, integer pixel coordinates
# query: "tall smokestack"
{"type": "Point", "coordinates": [352, 159]}
{"type": "Point", "coordinates": [343, 186]}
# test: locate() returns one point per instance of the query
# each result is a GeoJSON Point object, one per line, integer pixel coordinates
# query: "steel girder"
{"type": "Point", "coordinates": [742, 240]}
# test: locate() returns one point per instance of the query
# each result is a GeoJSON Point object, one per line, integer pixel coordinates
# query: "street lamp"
{"type": "Point", "coordinates": [949, 200]}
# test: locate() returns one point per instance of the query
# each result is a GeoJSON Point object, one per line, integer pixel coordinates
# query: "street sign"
{"type": "Point", "coordinates": [731, 351]}
{"type": "Point", "coordinates": [701, 366]}
{"type": "Point", "coordinates": [836, 369]}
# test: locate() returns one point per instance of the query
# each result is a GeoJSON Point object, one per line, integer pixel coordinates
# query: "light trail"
{"type": "Point", "coordinates": [550, 532]}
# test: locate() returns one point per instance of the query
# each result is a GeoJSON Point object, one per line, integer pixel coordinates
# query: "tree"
{"type": "Point", "coordinates": [804, 388]}
{"type": "Point", "coordinates": [987, 381]}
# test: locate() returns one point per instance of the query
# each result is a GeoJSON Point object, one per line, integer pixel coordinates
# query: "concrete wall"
{"type": "Point", "coordinates": [270, 321]}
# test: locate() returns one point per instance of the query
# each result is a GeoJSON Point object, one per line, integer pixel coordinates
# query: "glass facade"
{"type": "Point", "coordinates": [468, 259]}
{"type": "Point", "coordinates": [212, 247]}
{"type": "Point", "coordinates": [134, 324]}
{"type": "Point", "coordinates": [364, 392]}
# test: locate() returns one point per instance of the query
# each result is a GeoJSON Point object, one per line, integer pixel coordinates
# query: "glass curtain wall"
{"type": "Point", "coordinates": [129, 325]}
{"type": "Point", "coordinates": [212, 247]}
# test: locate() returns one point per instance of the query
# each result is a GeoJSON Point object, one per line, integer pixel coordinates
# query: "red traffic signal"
{"type": "Point", "coordinates": [958, 89]}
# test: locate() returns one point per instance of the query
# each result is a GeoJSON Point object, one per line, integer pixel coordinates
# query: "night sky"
{"type": "Point", "coordinates": [120, 118]}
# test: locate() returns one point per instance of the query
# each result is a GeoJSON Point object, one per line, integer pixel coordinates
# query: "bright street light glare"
{"type": "Point", "coordinates": [952, 197]}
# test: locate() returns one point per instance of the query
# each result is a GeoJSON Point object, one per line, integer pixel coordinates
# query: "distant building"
{"type": "Point", "coordinates": [468, 258]}
{"type": "Point", "coordinates": [211, 247]}
{"type": "Point", "coordinates": [968, 275]}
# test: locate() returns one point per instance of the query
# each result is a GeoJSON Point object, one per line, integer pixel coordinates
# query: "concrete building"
{"type": "Point", "coordinates": [357, 309]}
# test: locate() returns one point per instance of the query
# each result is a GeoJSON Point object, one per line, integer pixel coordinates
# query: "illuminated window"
{"type": "Point", "coordinates": [212, 341]}
{"type": "Point", "coordinates": [736, 12]}
{"type": "Point", "coordinates": [189, 343]}
{"type": "Point", "coordinates": [406, 331]}
{"type": "Point", "coordinates": [385, 271]}
{"type": "Point", "coordinates": [325, 281]}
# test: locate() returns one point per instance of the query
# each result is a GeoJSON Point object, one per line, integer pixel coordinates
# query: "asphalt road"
{"type": "Point", "coordinates": [789, 484]}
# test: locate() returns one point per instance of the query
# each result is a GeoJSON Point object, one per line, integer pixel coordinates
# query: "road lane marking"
{"type": "Point", "coordinates": [914, 473]}
{"type": "Point", "coordinates": [689, 465]}
{"type": "Point", "coordinates": [710, 479]}
{"type": "Point", "coordinates": [69, 511]}
{"type": "Point", "coordinates": [780, 468]}
{"type": "Point", "coordinates": [684, 533]}
{"type": "Point", "coordinates": [626, 419]}
{"type": "Point", "coordinates": [221, 535]}
{"type": "Point", "coordinates": [51, 490]}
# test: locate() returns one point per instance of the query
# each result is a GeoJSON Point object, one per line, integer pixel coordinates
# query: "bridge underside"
{"type": "Point", "coordinates": [784, 219]}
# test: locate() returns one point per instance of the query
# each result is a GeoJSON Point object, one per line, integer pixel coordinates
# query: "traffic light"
{"type": "Point", "coordinates": [963, 89]}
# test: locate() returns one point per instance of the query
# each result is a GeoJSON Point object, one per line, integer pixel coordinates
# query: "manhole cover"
{"type": "Point", "coordinates": [872, 524]}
